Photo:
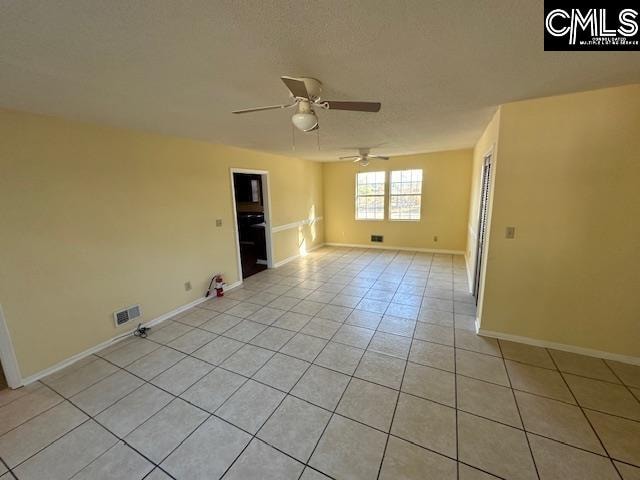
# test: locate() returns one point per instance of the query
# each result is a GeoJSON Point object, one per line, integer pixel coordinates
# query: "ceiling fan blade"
{"type": "Point", "coordinates": [259, 109]}
{"type": "Point", "coordinates": [354, 106]}
{"type": "Point", "coordinates": [357, 159]}
{"type": "Point", "coordinates": [349, 157]}
{"type": "Point", "coordinates": [296, 87]}
{"type": "Point", "coordinates": [379, 157]}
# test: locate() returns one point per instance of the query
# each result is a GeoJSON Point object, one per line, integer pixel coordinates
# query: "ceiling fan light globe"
{"type": "Point", "coordinates": [364, 162]}
{"type": "Point", "coordinates": [305, 121]}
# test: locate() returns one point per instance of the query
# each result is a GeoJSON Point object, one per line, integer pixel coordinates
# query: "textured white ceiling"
{"type": "Point", "coordinates": [180, 67]}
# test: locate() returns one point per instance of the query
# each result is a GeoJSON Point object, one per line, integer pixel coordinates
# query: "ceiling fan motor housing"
{"type": "Point", "coordinates": [314, 87]}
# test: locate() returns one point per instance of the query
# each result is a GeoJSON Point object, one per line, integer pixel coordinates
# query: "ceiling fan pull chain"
{"type": "Point", "coordinates": [318, 137]}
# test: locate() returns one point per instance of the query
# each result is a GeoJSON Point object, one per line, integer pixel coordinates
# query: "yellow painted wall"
{"type": "Point", "coordinates": [568, 179]}
{"type": "Point", "coordinates": [444, 211]}
{"type": "Point", "coordinates": [94, 219]}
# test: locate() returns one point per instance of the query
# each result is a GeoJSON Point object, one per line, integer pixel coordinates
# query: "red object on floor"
{"type": "Point", "coordinates": [219, 286]}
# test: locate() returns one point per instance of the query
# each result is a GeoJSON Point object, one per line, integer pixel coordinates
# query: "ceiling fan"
{"type": "Point", "coordinates": [305, 95]}
{"type": "Point", "coordinates": [363, 157]}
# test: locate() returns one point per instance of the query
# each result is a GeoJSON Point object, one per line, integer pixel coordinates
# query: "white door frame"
{"type": "Point", "coordinates": [8, 355]}
{"type": "Point", "coordinates": [266, 198]}
{"type": "Point", "coordinates": [481, 260]}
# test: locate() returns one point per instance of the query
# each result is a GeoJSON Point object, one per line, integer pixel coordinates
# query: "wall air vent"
{"type": "Point", "coordinates": [123, 316]}
{"type": "Point", "coordinates": [377, 238]}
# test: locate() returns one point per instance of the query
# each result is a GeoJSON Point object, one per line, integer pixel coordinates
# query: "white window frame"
{"type": "Point", "coordinates": [391, 195]}
{"type": "Point", "coordinates": [382, 195]}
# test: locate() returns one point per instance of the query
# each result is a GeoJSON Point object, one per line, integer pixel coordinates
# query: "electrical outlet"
{"type": "Point", "coordinates": [187, 286]}
{"type": "Point", "coordinates": [510, 232]}
{"type": "Point", "coordinates": [435, 238]}
{"type": "Point", "coordinates": [219, 222]}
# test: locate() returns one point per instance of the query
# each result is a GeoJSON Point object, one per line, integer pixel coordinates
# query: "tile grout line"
{"type": "Point", "coordinates": [342, 395]}
{"type": "Point", "coordinates": [198, 380]}
{"type": "Point", "coordinates": [353, 419]}
{"type": "Point", "coordinates": [632, 394]}
{"type": "Point", "coordinates": [593, 429]}
{"type": "Point", "coordinates": [123, 439]}
{"type": "Point", "coordinates": [627, 387]}
{"type": "Point", "coordinates": [455, 391]}
{"type": "Point", "coordinates": [38, 414]}
{"type": "Point", "coordinates": [368, 289]}
{"type": "Point", "coordinates": [324, 339]}
{"type": "Point", "coordinates": [9, 470]}
{"type": "Point", "coordinates": [137, 388]}
{"type": "Point", "coordinates": [395, 408]}
{"type": "Point", "coordinates": [515, 401]}
{"type": "Point", "coordinates": [287, 393]}
{"type": "Point", "coordinates": [210, 414]}
{"type": "Point", "coordinates": [342, 323]}
{"type": "Point", "coordinates": [358, 378]}
{"type": "Point", "coordinates": [255, 435]}
{"type": "Point", "coordinates": [88, 419]}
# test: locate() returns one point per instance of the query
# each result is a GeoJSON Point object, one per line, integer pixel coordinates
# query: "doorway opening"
{"type": "Point", "coordinates": [485, 189]}
{"type": "Point", "coordinates": [251, 202]}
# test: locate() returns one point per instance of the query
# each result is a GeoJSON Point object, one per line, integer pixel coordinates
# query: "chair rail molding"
{"type": "Point", "coordinates": [289, 226]}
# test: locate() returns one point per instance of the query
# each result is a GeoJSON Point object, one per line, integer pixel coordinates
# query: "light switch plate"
{"type": "Point", "coordinates": [219, 222]}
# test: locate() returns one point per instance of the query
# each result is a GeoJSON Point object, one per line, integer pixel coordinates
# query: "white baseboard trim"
{"type": "Point", "coordinates": [293, 257]}
{"type": "Point", "coordinates": [73, 359]}
{"type": "Point", "coordinates": [558, 346]}
{"type": "Point", "coordinates": [90, 351]}
{"type": "Point", "coordinates": [231, 286]}
{"type": "Point", "coordinates": [285, 261]}
{"type": "Point", "coordinates": [183, 308]}
{"type": "Point", "coordinates": [404, 249]}
{"type": "Point", "coordinates": [172, 313]}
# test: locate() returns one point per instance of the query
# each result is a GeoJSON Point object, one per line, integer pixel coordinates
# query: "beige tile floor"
{"type": "Point", "coordinates": [346, 364]}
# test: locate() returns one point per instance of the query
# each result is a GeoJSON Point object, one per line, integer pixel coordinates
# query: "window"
{"type": "Point", "coordinates": [370, 195]}
{"type": "Point", "coordinates": [405, 195]}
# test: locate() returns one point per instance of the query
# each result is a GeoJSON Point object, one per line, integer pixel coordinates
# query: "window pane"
{"type": "Point", "coordinates": [406, 182]}
{"type": "Point", "coordinates": [370, 188]}
{"type": "Point", "coordinates": [370, 183]}
{"type": "Point", "coordinates": [405, 207]}
{"type": "Point", "coordinates": [405, 198]}
{"type": "Point", "coordinates": [370, 208]}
